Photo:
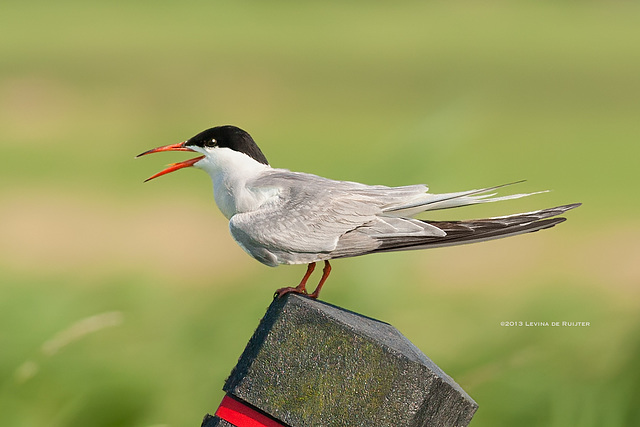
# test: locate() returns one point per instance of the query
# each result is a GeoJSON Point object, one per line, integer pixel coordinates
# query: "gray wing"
{"type": "Point", "coordinates": [463, 232]}
{"type": "Point", "coordinates": [311, 218]}
{"type": "Point", "coordinates": [309, 214]}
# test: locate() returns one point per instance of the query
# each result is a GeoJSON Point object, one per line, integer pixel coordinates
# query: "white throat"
{"type": "Point", "coordinates": [230, 170]}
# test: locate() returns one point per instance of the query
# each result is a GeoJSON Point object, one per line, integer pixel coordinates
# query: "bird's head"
{"type": "Point", "coordinates": [208, 143]}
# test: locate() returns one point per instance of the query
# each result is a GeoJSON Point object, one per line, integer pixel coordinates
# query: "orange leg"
{"type": "Point", "coordinates": [302, 287]}
{"type": "Point", "coordinates": [325, 274]}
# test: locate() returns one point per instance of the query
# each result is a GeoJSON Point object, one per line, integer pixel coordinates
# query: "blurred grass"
{"type": "Point", "coordinates": [455, 95]}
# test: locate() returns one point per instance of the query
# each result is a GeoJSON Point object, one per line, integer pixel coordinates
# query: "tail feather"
{"type": "Point", "coordinates": [478, 230]}
{"type": "Point", "coordinates": [431, 202]}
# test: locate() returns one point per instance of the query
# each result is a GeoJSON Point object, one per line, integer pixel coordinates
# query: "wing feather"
{"type": "Point", "coordinates": [310, 218]}
{"type": "Point", "coordinates": [478, 230]}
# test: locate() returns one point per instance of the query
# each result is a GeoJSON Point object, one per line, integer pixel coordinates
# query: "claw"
{"type": "Point", "coordinates": [301, 289]}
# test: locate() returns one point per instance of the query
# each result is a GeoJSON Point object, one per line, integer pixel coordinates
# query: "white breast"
{"type": "Point", "coordinates": [230, 171]}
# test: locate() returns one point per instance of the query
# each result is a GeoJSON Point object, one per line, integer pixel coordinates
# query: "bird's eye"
{"type": "Point", "coordinates": [213, 142]}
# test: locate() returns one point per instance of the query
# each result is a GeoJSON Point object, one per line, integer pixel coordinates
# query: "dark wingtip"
{"type": "Point", "coordinates": [545, 224]}
{"type": "Point", "coordinates": [569, 206]}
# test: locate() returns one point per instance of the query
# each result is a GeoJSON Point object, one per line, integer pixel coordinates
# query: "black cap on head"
{"type": "Point", "coordinates": [229, 137]}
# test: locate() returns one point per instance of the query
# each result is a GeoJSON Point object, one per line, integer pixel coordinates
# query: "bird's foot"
{"type": "Point", "coordinates": [301, 289]}
{"type": "Point", "coordinates": [290, 290]}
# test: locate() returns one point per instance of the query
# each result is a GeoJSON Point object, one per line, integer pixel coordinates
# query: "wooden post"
{"type": "Point", "coordinates": [310, 363]}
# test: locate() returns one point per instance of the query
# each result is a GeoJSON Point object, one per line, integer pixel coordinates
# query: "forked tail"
{"type": "Point", "coordinates": [478, 230]}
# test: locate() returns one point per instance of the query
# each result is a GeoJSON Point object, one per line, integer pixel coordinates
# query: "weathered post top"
{"type": "Point", "coordinates": [310, 363]}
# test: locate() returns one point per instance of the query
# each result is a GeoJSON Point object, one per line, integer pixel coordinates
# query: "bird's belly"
{"type": "Point", "coordinates": [270, 255]}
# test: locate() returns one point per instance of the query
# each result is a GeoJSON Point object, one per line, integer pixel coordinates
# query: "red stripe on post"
{"type": "Point", "coordinates": [242, 415]}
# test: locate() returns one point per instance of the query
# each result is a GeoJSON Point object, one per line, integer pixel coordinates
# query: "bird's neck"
{"type": "Point", "coordinates": [230, 171]}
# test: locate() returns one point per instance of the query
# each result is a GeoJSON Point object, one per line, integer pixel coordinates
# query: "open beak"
{"type": "Point", "coordinates": [173, 166]}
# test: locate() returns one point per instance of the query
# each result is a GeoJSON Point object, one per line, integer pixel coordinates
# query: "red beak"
{"type": "Point", "coordinates": [173, 166]}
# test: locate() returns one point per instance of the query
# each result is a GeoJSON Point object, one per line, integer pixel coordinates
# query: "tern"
{"type": "Point", "coordinates": [283, 217]}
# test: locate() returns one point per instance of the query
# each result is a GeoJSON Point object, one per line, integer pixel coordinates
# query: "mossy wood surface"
{"type": "Point", "coordinates": [310, 363]}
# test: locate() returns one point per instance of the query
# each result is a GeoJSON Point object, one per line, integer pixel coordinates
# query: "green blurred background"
{"type": "Point", "coordinates": [123, 304]}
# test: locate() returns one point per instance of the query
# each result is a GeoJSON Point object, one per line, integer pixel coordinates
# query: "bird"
{"type": "Point", "coordinates": [282, 217]}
